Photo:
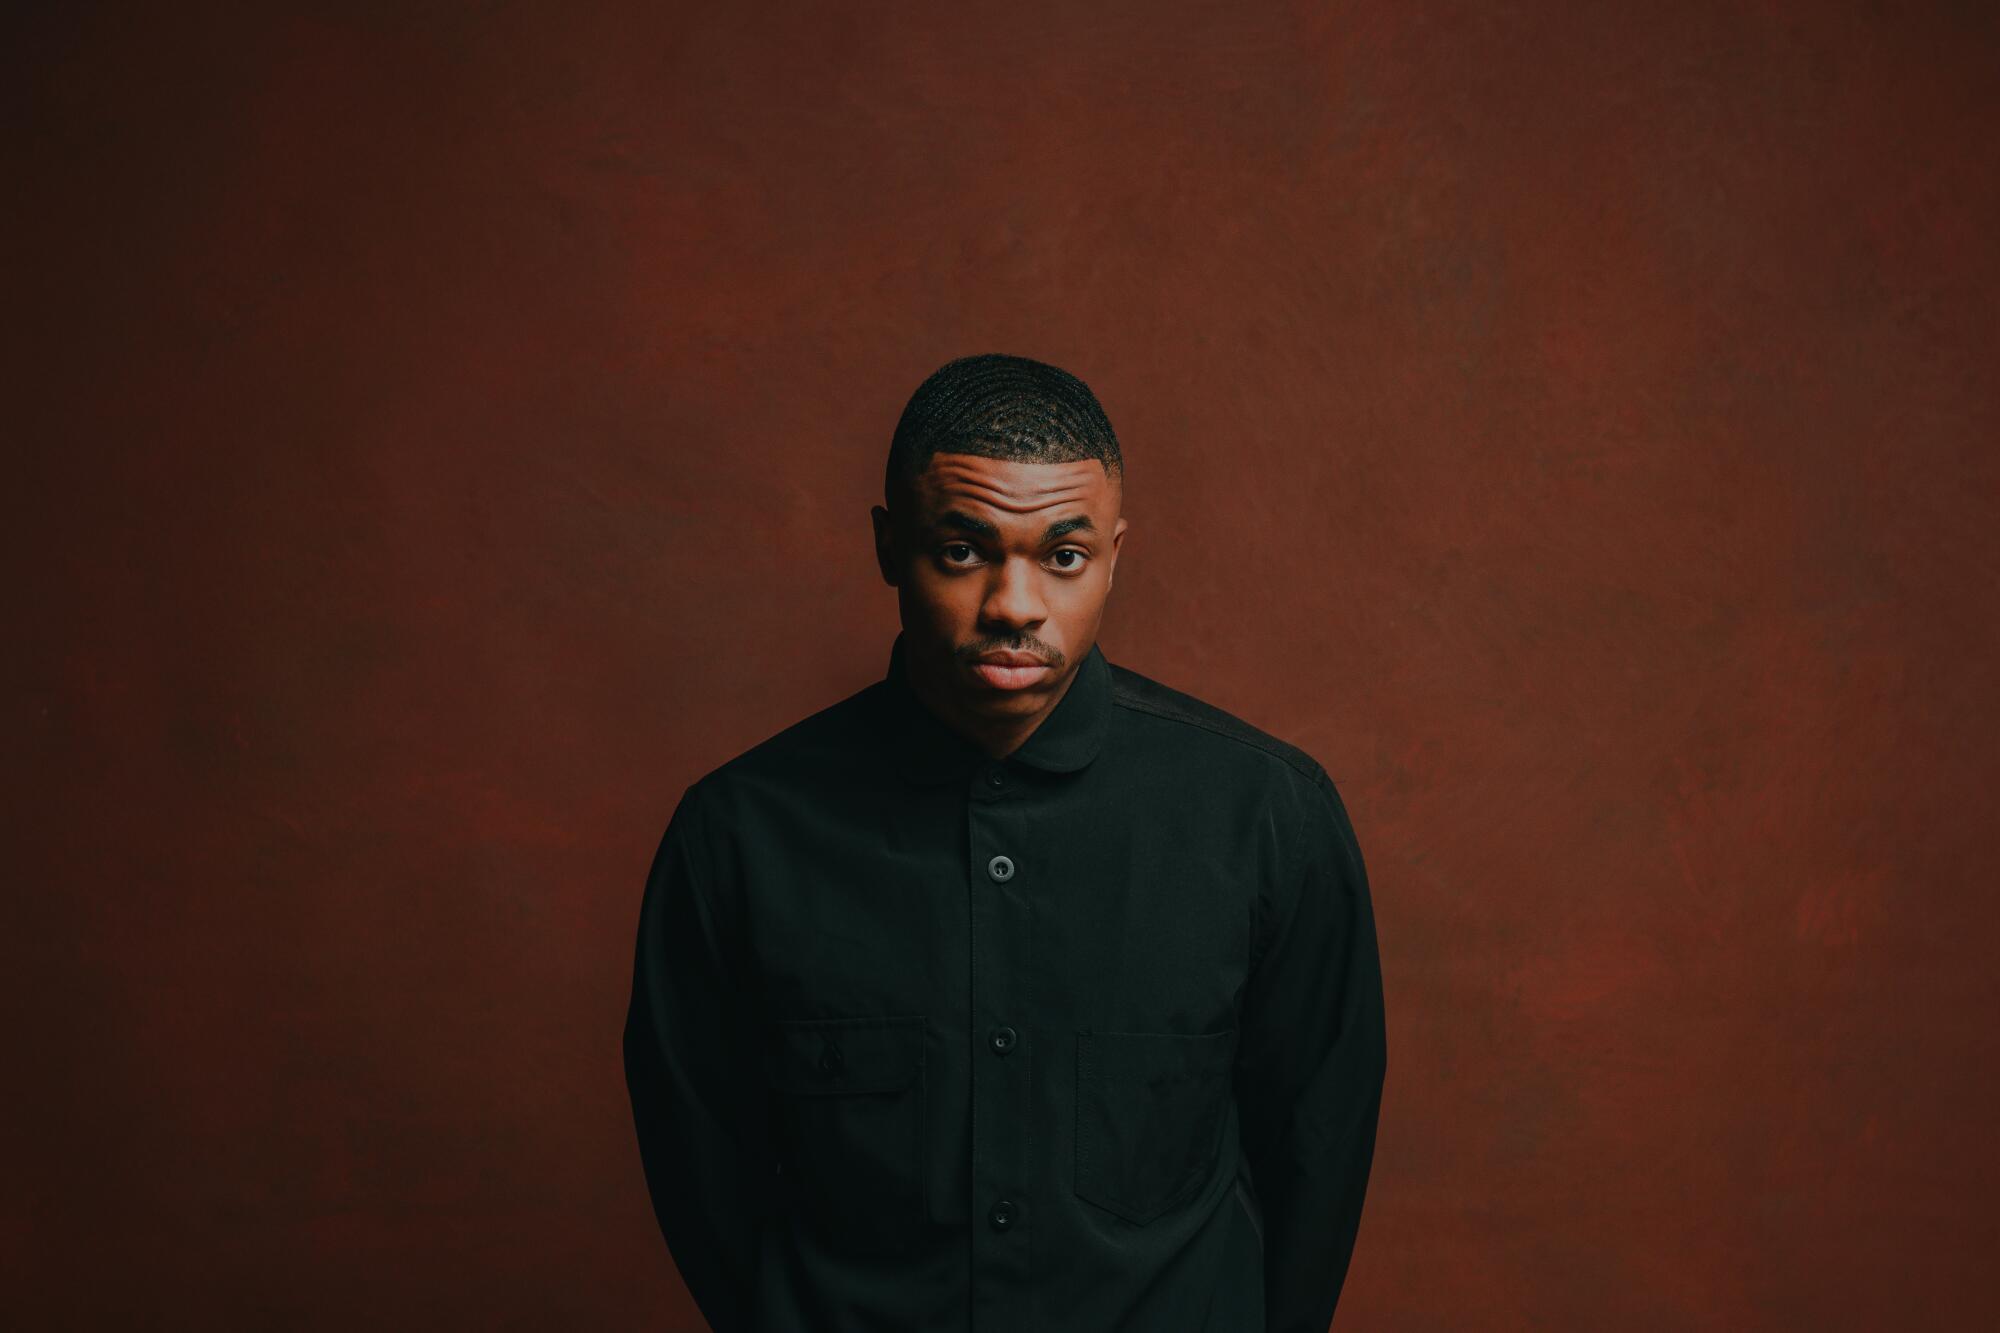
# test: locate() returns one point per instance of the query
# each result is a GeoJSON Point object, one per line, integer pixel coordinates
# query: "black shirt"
{"type": "Point", "coordinates": [1087, 1038]}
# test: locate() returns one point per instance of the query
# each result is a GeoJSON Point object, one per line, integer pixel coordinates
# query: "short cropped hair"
{"type": "Point", "coordinates": [1000, 406]}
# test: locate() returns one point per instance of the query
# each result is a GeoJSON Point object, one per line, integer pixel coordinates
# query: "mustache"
{"type": "Point", "coordinates": [1040, 651]}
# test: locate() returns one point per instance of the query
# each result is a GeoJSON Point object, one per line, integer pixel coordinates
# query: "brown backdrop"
{"type": "Point", "coordinates": [442, 432]}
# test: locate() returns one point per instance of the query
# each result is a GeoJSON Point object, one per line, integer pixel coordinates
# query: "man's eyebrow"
{"type": "Point", "coordinates": [963, 522]}
{"type": "Point", "coordinates": [1079, 523]}
{"type": "Point", "coordinates": [979, 527]}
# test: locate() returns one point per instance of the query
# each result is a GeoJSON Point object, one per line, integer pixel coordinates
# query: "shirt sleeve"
{"type": "Point", "coordinates": [1312, 1056]}
{"type": "Point", "coordinates": [698, 1108]}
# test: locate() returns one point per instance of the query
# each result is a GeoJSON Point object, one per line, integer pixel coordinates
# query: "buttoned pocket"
{"type": "Point", "coordinates": [1150, 1109]}
{"type": "Point", "coordinates": [847, 1117]}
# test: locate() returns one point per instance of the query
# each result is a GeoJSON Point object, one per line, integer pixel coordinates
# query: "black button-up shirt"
{"type": "Point", "coordinates": [1086, 1038]}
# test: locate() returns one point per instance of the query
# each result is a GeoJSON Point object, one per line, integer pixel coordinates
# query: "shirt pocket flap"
{"type": "Point", "coordinates": [843, 1055]}
{"type": "Point", "coordinates": [1153, 1059]}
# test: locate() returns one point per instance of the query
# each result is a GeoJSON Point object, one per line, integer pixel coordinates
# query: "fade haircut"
{"type": "Point", "coordinates": [999, 406]}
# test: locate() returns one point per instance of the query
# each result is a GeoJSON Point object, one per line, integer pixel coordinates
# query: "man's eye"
{"type": "Point", "coordinates": [949, 547]}
{"type": "Point", "coordinates": [1080, 558]}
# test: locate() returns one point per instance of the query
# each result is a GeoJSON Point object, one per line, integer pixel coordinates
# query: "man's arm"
{"type": "Point", "coordinates": [1311, 1060]}
{"type": "Point", "coordinates": [689, 1061]}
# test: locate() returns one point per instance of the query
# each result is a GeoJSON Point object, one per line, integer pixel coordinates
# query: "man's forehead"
{"type": "Point", "coordinates": [1013, 484]}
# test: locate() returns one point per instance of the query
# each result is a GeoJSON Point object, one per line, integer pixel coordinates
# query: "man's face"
{"type": "Point", "coordinates": [992, 556]}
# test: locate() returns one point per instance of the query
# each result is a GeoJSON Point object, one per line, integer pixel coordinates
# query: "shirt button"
{"type": "Point", "coordinates": [1002, 1039]}
{"type": "Point", "coordinates": [831, 1061]}
{"type": "Point", "coordinates": [1002, 1215]}
{"type": "Point", "coordinates": [1000, 868]}
{"type": "Point", "coordinates": [995, 778]}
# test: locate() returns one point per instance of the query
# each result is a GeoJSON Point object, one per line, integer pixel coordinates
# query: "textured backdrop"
{"type": "Point", "coordinates": [442, 432]}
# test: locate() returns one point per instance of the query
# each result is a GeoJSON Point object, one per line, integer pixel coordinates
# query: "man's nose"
{"type": "Point", "coordinates": [1013, 598]}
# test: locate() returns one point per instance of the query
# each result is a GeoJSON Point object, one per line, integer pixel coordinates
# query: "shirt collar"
{"type": "Point", "coordinates": [928, 751]}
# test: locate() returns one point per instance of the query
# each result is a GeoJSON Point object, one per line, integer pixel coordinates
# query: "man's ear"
{"type": "Point", "coordinates": [1117, 545]}
{"type": "Point", "coordinates": [885, 543]}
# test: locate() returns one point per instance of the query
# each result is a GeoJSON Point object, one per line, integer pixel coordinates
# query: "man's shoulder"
{"type": "Point", "coordinates": [829, 741]}
{"type": "Point", "coordinates": [1206, 732]}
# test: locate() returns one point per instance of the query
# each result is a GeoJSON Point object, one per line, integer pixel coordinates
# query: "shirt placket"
{"type": "Point", "coordinates": [1002, 879]}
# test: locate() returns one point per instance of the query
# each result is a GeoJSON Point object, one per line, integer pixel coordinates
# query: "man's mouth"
{"type": "Point", "coordinates": [1004, 669]}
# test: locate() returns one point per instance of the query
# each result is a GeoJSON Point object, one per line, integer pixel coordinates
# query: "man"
{"type": "Point", "coordinates": [1016, 991]}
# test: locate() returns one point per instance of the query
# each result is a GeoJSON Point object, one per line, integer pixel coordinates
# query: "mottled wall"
{"type": "Point", "coordinates": [441, 432]}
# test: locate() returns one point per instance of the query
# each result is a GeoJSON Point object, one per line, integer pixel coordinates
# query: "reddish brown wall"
{"type": "Point", "coordinates": [438, 439]}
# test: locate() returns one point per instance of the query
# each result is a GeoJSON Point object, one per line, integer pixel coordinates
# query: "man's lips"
{"type": "Point", "coordinates": [1007, 670]}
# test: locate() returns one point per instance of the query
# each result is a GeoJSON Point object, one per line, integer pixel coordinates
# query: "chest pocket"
{"type": "Point", "coordinates": [847, 1123]}
{"type": "Point", "coordinates": [1150, 1108]}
